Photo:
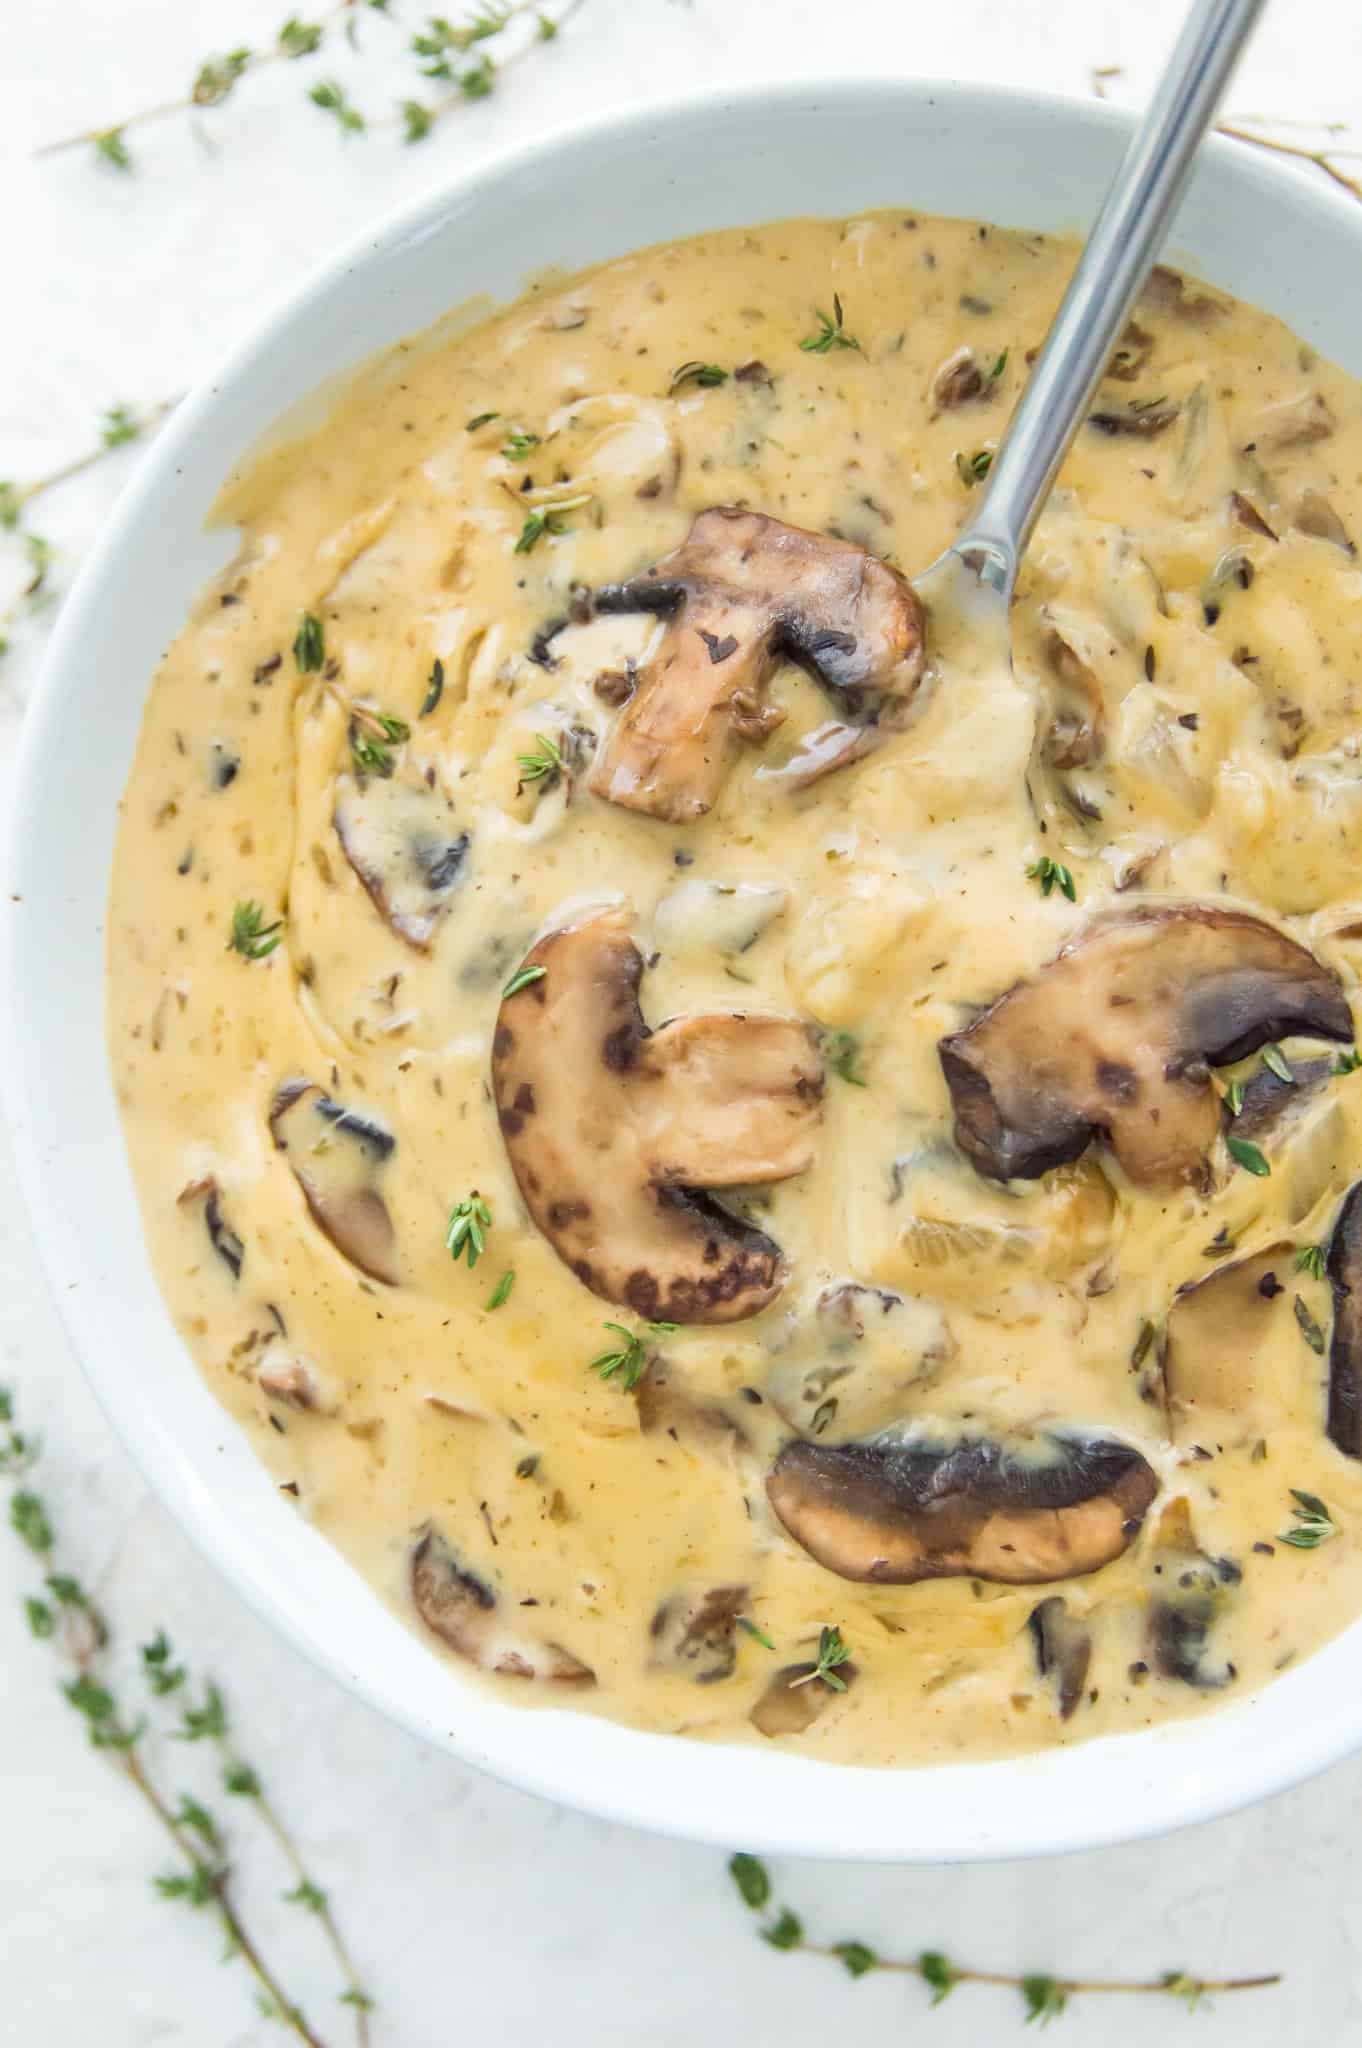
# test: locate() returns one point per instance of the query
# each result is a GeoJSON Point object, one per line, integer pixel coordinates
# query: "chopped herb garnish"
{"type": "Point", "coordinates": [1248, 1156]}
{"type": "Point", "coordinates": [707, 374]}
{"type": "Point", "coordinates": [481, 419]}
{"type": "Point", "coordinates": [1313, 1522]}
{"type": "Point", "coordinates": [467, 1222]}
{"type": "Point", "coordinates": [841, 1050]}
{"type": "Point", "coordinates": [750, 1628]}
{"type": "Point", "coordinates": [972, 469]}
{"type": "Point", "coordinates": [549, 520]}
{"type": "Point", "coordinates": [1275, 1060]}
{"type": "Point", "coordinates": [542, 761]}
{"type": "Point", "coordinates": [832, 1651]}
{"type": "Point", "coordinates": [1310, 1258]}
{"type": "Point", "coordinates": [522, 978]}
{"type": "Point", "coordinates": [1052, 874]}
{"type": "Point", "coordinates": [518, 444]}
{"type": "Point", "coordinates": [435, 688]}
{"type": "Point", "coordinates": [251, 936]}
{"type": "Point", "coordinates": [1309, 1328]}
{"type": "Point", "coordinates": [831, 333]}
{"type": "Point", "coordinates": [309, 644]}
{"type": "Point", "coordinates": [1142, 1344]}
{"type": "Point", "coordinates": [999, 366]}
{"type": "Point", "coordinates": [1347, 1062]}
{"type": "Point", "coordinates": [630, 1358]}
{"type": "Point", "coordinates": [501, 1293]}
{"type": "Point", "coordinates": [373, 755]}
{"type": "Point", "coordinates": [1234, 1097]}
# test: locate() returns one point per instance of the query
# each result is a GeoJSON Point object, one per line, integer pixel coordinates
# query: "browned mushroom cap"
{"type": "Point", "coordinates": [742, 592]}
{"type": "Point", "coordinates": [699, 1632]}
{"type": "Point", "coordinates": [1063, 1647]}
{"type": "Point", "coordinates": [1224, 1378]}
{"type": "Point", "coordinates": [1345, 1346]}
{"type": "Point", "coordinates": [794, 1699]}
{"type": "Point", "coordinates": [1114, 1038]}
{"type": "Point", "coordinates": [463, 1611]}
{"type": "Point", "coordinates": [335, 1154]}
{"type": "Point", "coordinates": [613, 1130]}
{"type": "Point", "coordinates": [402, 841]}
{"type": "Point", "coordinates": [1020, 1513]}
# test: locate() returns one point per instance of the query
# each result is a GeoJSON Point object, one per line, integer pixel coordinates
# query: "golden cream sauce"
{"type": "Point", "coordinates": [887, 901]}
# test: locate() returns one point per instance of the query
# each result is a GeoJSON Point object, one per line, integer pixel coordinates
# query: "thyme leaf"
{"type": "Point", "coordinates": [250, 935]}
{"type": "Point", "coordinates": [831, 332]}
{"type": "Point", "coordinates": [841, 1050]}
{"type": "Point", "coordinates": [1052, 874]}
{"type": "Point", "coordinates": [467, 1221]}
{"type": "Point", "coordinates": [1313, 1524]}
{"type": "Point", "coordinates": [524, 977]}
{"type": "Point", "coordinates": [1248, 1156]}
{"type": "Point", "coordinates": [832, 1651]}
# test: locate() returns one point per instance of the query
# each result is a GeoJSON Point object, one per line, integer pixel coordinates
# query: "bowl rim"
{"type": "Point", "coordinates": [1199, 1797]}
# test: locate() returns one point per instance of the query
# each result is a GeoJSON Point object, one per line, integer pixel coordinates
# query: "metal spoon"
{"type": "Point", "coordinates": [973, 581]}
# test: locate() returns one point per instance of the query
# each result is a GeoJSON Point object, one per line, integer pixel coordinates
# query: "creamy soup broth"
{"type": "Point", "coordinates": [388, 726]}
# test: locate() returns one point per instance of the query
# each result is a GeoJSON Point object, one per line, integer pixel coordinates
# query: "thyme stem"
{"type": "Point", "coordinates": [69, 1616]}
{"type": "Point", "coordinates": [21, 495]}
{"type": "Point", "coordinates": [1322, 159]}
{"type": "Point", "coordinates": [1070, 1987]}
{"type": "Point", "coordinates": [256, 60]}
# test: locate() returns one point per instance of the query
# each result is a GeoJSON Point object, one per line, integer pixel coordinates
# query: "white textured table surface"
{"type": "Point", "coordinates": [477, 1913]}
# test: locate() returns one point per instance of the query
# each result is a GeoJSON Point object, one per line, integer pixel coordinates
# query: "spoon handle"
{"type": "Point", "coordinates": [1110, 276]}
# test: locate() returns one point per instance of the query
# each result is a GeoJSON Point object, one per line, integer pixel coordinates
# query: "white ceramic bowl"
{"type": "Point", "coordinates": [1251, 225]}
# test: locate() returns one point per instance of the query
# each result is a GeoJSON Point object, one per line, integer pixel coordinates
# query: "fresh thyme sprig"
{"type": "Point", "coordinates": [250, 935]}
{"type": "Point", "coordinates": [216, 79]}
{"type": "Point", "coordinates": [373, 735]}
{"type": "Point", "coordinates": [209, 1723]}
{"type": "Point", "coordinates": [437, 49]}
{"type": "Point", "coordinates": [65, 1615]}
{"type": "Point", "coordinates": [831, 333]}
{"type": "Point", "coordinates": [628, 1361]}
{"type": "Point", "coordinates": [1052, 874]}
{"type": "Point", "coordinates": [467, 1221]}
{"type": "Point", "coordinates": [832, 1651]}
{"type": "Point", "coordinates": [1044, 1996]}
{"type": "Point", "coordinates": [543, 760]}
{"type": "Point", "coordinates": [119, 424]}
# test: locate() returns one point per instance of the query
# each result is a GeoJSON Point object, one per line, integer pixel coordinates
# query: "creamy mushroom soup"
{"type": "Point", "coordinates": [758, 1175]}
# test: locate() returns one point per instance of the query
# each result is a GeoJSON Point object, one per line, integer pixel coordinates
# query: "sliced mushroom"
{"type": "Point", "coordinates": [1114, 1037]}
{"type": "Point", "coordinates": [221, 1236]}
{"type": "Point", "coordinates": [1140, 419]}
{"type": "Point", "coordinates": [1075, 735]}
{"type": "Point", "coordinates": [1345, 1346]}
{"type": "Point", "coordinates": [960, 379]}
{"type": "Point", "coordinates": [1268, 1099]}
{"type": "Point", "coordinates": [665, 1408]}
{"type": "Point", "coordinates": [1020, 1513]}
{"type": "Point", "coordinates": [1191, 1592]}
{"type": "Point", "coordinates": [1247, 515]}
{"type": "Point", "coordinates": [794, 1699]}
{"type": "Point", "coordinates": [616, 1133]}
{"type": "Point", "coordinates": [699, 1631]}
{"type": "Point", "coordinates": [1225, 1379]}
{"type": "Point", "coordinates": [741, 593]}
{"type": "Point", "coordinates": [1166, 292]}
{"type": "Point", "coordinates": [285, 1375]}
{"type": "Point", "coordinates": [1063, 1646]}
{"type": "Point", "coordinates": [402, 840]}
{"type": "Point", "coordinates": [463, 1611]}
{"type": "Point", "coordinates": [335, 1154]}
{"type": "Point", "coordinates": [1294, 422]}
{"type": "Point", "coordinates": [1314, 515]}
